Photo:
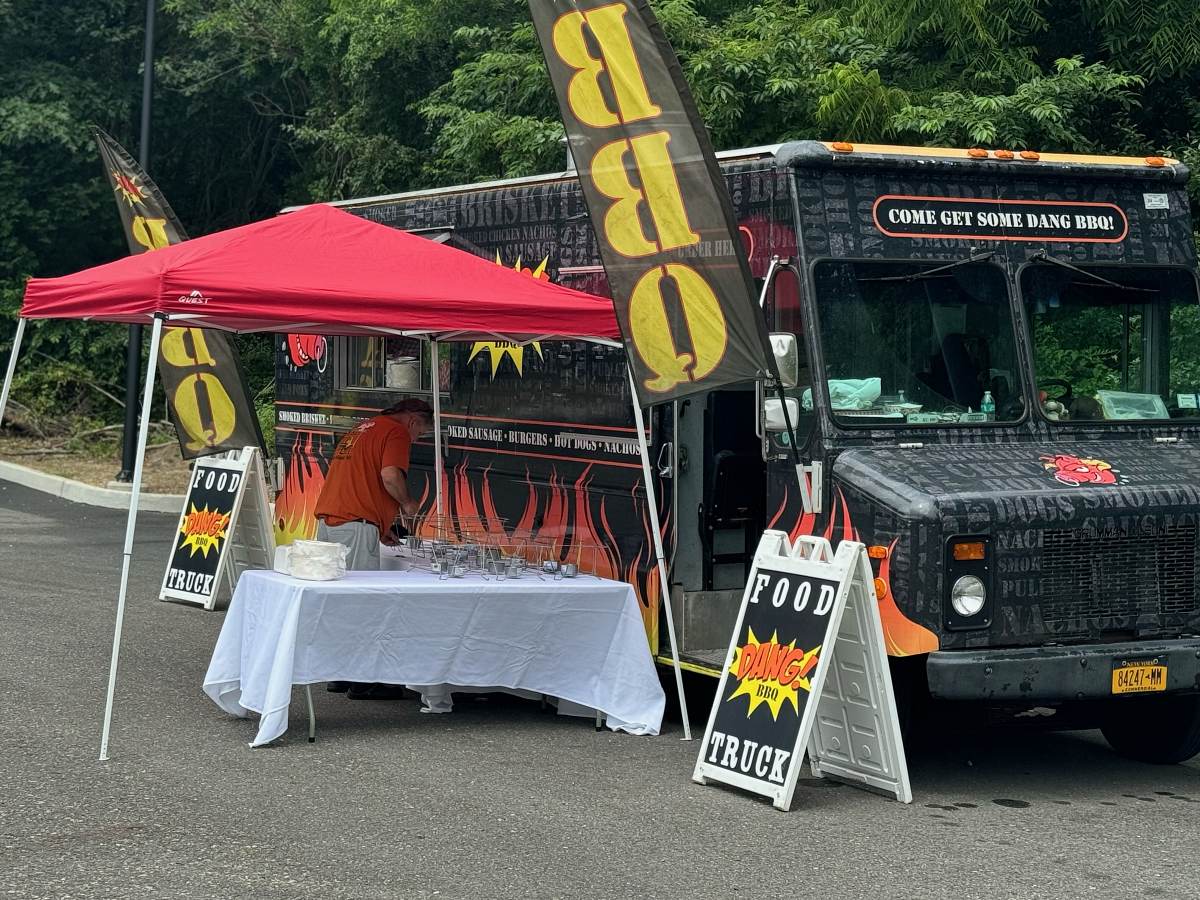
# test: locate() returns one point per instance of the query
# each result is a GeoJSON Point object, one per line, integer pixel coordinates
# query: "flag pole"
{"type": "Point", "coordinates": [437, 429]}
{"type": "Point", "coordinates": [133, 353]}
{"type": "Point", "coordinates": [656, 531]}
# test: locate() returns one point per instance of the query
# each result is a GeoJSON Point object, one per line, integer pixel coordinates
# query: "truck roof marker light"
{"type": "Point", "coordinates": [968, 551]}
{"type": "Point", "coordinates": [977, 153]}
{"type": "Point", "coordinates": [842, 146]}
{"type": "Point", "coordinates": [1030, 155]}
{"type": "Point", "coordinates": [1003, 154]}
{"type": "Point", "coordinates": [1156, 161]}
{"type": "Point", "coordinates": [877, 552]}
{"type": "Point", "coordinates": [881, 589]}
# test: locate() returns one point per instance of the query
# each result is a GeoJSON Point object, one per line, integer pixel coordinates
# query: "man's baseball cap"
{"type": "Point", "coordinates": [409, 405]}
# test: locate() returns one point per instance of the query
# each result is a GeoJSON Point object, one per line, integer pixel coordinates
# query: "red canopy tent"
{"type": "Point", "coordinates": [324, 271]}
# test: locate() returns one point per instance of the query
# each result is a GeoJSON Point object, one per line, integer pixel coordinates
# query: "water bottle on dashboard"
{"type": "Point", "coordinates": [988, 406]}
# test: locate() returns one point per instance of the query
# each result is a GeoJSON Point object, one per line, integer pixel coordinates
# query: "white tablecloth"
{"type": "Point", "coordinates": [579, 639]}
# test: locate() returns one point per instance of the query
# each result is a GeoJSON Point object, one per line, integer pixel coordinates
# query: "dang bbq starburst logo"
{"type": "Point", "coordinates": [126, 185]}
{"type": "Point", "coordinates": [772, 673]}
{"type": "Point", "coordinates": [203, 529]}
{"type": "Point", "coordinates": [498, 350]}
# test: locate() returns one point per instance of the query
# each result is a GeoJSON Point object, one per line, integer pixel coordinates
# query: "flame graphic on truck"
{"type": "Point", "coordinates": [295, 508]}
{"type": "Point", "coordinates": [902, 636]}
{"type": "Point", "coordinates": [564, 520]}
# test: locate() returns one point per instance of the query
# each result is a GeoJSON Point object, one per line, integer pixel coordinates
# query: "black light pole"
{"type": "Point", "coordinates": [133, 357]}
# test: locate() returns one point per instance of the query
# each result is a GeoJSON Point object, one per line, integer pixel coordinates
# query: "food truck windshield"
{"type": "Point", "coordinates": [917, 343]}
{"type": "Point", "coordinates": [1114, 343]}
{"type": "Point", "coordinates": [921, 343]}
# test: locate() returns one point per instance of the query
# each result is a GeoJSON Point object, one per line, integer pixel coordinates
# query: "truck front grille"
{"type": "Point", "coordinates": [1115, 574]}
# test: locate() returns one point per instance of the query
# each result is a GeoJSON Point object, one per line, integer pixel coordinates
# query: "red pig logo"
{"type": "Point", "coordinates": [307, 348]}
{"type": "Point", "coordinates": [1077, 471]}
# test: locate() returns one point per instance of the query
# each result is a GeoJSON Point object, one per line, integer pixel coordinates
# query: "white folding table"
{"type": "Point", "coordinates": [580, 639]}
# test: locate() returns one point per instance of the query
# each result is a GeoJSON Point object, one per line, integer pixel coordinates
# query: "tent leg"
{"type": "Point", "coordinates": [656, 531]}
{"type": "Point", "coordinates": [130, 525]}
{"type": "Point", "coordinates": [12, 367]}
{"type": "Point", "coordinates": [312, 715]}
{"type": "Point", "coordinates": [437, 427]}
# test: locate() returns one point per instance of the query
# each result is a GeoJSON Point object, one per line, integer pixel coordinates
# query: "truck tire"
{"type": "Point", "coordinates": [1162, 730]}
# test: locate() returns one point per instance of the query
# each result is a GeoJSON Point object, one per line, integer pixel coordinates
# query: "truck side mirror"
{"type": "Point", "coordinates": [773, 417]}
{"type": "Point", "coordinates": [787, 357]}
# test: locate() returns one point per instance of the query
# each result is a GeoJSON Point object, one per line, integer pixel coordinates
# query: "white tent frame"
{"type": "Point", "coordinates": [434, 337]}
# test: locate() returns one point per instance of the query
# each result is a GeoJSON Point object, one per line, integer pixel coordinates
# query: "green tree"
{"type": "Point", "coordinates": [65, 64]}
{"type": "Point", "coordinates": [262, 103]}
{"type": "Point", "coordinates": [71, 64]}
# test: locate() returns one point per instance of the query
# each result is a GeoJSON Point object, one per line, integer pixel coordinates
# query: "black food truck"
{"type": "Point", "coordinates": [993, 361]}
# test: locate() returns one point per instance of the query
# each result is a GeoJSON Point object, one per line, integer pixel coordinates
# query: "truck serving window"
{"type": "Point", "coordinates": [1114, 343]}
{"type": "Point", "coordinates": [917, 343]}
{"type": "Point", "coordinates": [388, 364]}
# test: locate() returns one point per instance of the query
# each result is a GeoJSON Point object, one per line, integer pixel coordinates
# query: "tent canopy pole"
{"type": "Point", "coordinates": [437, 426]}
{"type": "Point", "coordinates": [656, 531]}
{"type": "Point", "coordinates": [130, 526]}
{"type": "Point", "coordinates": [12, 367]}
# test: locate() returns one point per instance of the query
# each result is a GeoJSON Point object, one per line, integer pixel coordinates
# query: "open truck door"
{"type": "Point", "coordinates": [735, 475]}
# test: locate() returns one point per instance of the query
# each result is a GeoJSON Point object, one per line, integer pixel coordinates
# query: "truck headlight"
{"type": "Point", "coordinates": [968, 596]}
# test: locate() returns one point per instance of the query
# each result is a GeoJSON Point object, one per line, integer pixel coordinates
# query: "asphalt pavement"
{"type": "Point", "coordinates": [496, 800]}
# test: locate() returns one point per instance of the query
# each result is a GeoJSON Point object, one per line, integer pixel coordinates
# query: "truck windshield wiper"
{"type": "Point", "coordinates": [929, 273]}
{"type": "Point", "coordinates": [1043, 256]}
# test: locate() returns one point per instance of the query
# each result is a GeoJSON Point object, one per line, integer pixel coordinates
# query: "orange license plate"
{"type": "Point", "coordinates": [1138, 676]}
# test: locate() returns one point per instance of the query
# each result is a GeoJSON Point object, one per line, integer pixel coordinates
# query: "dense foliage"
{"type": "Point", "coordinates": [263, 102]}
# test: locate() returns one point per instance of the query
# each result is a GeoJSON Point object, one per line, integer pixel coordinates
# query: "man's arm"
{"type": "Point", "coordinates": [396, 484]}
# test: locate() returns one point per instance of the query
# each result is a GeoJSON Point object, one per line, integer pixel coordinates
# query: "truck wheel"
{"type": "Point", "coordinates": [1164, 730]}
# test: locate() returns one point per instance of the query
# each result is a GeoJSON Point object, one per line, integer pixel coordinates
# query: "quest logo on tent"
{"type": "Point", "coordinates": [195, 297]}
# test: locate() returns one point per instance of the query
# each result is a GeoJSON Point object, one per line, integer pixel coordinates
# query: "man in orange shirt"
{"type": "Point", "coordinates": [367, 482]}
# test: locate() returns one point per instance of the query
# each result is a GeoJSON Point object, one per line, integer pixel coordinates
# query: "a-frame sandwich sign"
{"type": "Point", "coordinates": [806, 670]}
{"type": "Point", "coordinates": [225, 528]}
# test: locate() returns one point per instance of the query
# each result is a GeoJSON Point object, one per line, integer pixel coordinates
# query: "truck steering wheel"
{"type": "Point", "coordinates": [1068, 392]}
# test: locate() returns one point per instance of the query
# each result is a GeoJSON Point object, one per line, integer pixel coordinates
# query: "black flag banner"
{"type": "Point", "coordinates": [149, 221]}
{"type": "Point", "coordinates": [201, 372]}
{"type": "Point", "coordinates": [680, 282]}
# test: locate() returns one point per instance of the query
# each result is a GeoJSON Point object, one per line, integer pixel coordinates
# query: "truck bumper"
{"type": "Point", "coordinates": [1055, 673]}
